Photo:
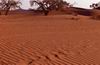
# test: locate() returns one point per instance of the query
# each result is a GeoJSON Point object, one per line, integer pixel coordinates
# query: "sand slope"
{"type": "Point", "coordinates": [49, 40]}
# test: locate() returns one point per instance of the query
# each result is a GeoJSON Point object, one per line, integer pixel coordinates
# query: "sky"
{"type": "Point", "coordinates": [76, 3]}
{"type": "Point", "coordinates": [82, 3]}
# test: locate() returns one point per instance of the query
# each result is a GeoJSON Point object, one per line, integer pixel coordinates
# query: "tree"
{"type": "Point", "coordinates": [96, 10]}
{"type": "Point", "coordinates": [56, 4]}
{"type": "Point", "coordinates": [48, 5]}
{"type": "Point", "coordinates": [95, 5]}
{"type": "Point", "coordinates": [41, 6]}
{"type": "Point", "coordinates": [9, 4]}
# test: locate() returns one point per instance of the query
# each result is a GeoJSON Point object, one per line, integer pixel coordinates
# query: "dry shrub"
{"type": "Point", "coordinates": [95, 14]}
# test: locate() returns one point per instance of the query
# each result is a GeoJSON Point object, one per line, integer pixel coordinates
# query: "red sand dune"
{"type": "Point", "coordinates": [49, 40]}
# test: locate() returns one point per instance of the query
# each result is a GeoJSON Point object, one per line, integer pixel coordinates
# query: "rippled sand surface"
{"type": "Point", "coordinates": [49, 40]}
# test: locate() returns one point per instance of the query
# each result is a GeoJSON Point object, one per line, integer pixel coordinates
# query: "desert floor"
{"type": "Point", "coordinates": [49, 40]}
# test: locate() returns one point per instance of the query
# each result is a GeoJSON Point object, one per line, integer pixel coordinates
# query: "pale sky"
{"type": "Point", "coordinates": [82, 3]}
{"type": "Point", "coordinates": [77, 3]}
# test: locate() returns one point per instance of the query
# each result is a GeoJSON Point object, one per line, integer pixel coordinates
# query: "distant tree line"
{"type": "Point", "coordinates": [45, 6]}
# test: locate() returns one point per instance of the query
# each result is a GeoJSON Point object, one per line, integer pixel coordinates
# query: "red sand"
{"type": "Point", "coordinates": [49, 40]}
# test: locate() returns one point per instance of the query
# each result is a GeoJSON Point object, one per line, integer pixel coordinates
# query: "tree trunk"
{"type": "Point", "coordinates": [7, 10]}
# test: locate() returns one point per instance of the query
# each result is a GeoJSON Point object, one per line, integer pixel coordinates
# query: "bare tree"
{"type": "Point", "coordinates": [95, 5]}
{"type": "Point", "coordinates": [96, 10]}
{"type": "Point", "coordinates": [55, 4]}
{"type": "Point", "coordinates": [41, 6]}
{"type": "Point", "coordinates": [48, 5]}
{"type": "Point", "coordinates": [1, 5]}
{"type": "Point", "coordinates": [9, 4]}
